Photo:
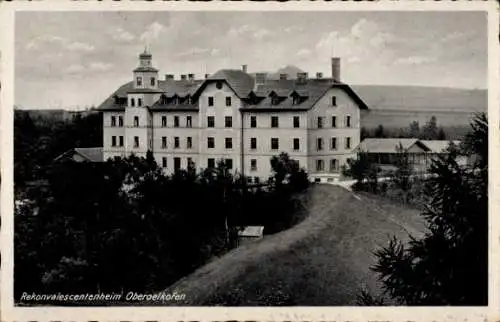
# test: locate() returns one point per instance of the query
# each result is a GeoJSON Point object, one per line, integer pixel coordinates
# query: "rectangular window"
{"type": "Point", "coordinates": [210, 101]}
{"type": "Point", "coordinates": [320, 122]}
{"type": "Point", "coordinates": [334, 101]}
{"type": "Point", "coordinates": [164, 142]}
{"type": "Point", "coordinates": [334, 121]}
{"type": "Point", "coordinates": [113, 120]}
{"type": "Point", "coordinates": [253, 121]}
{"type": "Point", "coordinates": [348, 121]}
{"type": "Point", "coordinates": [189, 142]}
{"type": "Point", "coordinates": [190, 162]}
{"type": "Point", "coordinates": [348, 143]}
{"type": "Point", "coordinates": [229, 143]}
{"type": "Point", "coordinates": [229, 163]}
{"type": "Point", "coordinates": [334, 165]}
{"type": "Point", "coordinates": [228, 101]}
{"type": "Point", "coordinates": [113, 140]}
{"type": "Point", "coordinates": [228, 121]}
{"type": "Point", "coordinates": [139, 102]}
{"type": "Point", "coordinates": [333, 144]}
{"type": "Point", "coordinates": [136, 121]}
{"type": "Point", "coordinates": [153, 81]}
{"type": "Point", "coordinates": [189, 121]}
{"type": "Point", "coordinates": [275, 144]}
{"type": "Point", "coordinates": [139, 81]}
{"type": "Point", "coordinates": [274, 121]}
{"type": "Point", "coordinates": [211, 163]}
{"type": "Point", "coordinates": [120, 121]}
{"type": "Point", "coordinates": [176, 121]}
{"type": "Point", "coordinates": [210, 121]}
{"type": "Point", "coordinates": [121, 140]}
{"type": "Point", "coordinates": [253, 164]}
{"type": "Point", "coordinates": [296, 144]}
{"type": "Point", "coordinates": [296, 122]}
{"type": "Point", "coordinates": [132, 102]}
{"type": "Point", "coordinates": [319, 144]}
{"type": "Point", "coordinates": [176, 142]}
{"type": "Point", "coordinates": [320, 165]}
{"type": "Point", "coordinates": [164, 162]}
{"type": "Point", "coordinates": [210, 142]}
{"type": "Point", "coordinates": [253, 143]}
{"type": "Point", "coordinates": [163, 121]}
{"type": "Point", "coordinates": [177, 164]}
{"type": "Point", "coordinates": [136, 141]}
{"type": "Point", "coordinates": [256, 180]}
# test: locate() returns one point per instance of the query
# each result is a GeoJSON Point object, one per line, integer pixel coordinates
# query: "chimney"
{"type": "Point", "coordinates": [260, 78]}
{"type": "Point", "coordinates": [244, 68]}
{"type": "Point", "coordinates": [191, 77]}
{"type": "Point", "coordinates": [319, 75]}
{"type": "Point", "coordinates": [336, 69]}
{"type": "Point", "coordinates": [183, 77]}
{"type": "Point", "coordinates": [206, 76]}
{"type": "Point", "coordinates": [301, 78]}
{"type": "Point", "coordinates": [283, 76]}
{"type": "Point", "coordinates": [169, 77]}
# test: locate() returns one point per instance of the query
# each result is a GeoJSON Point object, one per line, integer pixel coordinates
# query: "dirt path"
{"type": "Point", "coordinates": [322, 261]}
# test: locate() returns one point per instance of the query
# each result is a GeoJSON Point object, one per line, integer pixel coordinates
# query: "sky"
{"type": "Point", "coordinates": [76, 59]}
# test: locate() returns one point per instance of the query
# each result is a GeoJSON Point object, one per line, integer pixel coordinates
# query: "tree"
{"type": "Point", "coordinates": [414, 130]}
{"type": "Point", "coordinates": [361, 169]}
{"type": "Point", "coordinates": [449, 264]}
{"type": "Point", "coordinates": [379, 132]}
{"type": "Point", "coordinates": [403, 174]}
{"type": "Point", "coordinates": [430, 130]}
{"type": "Point", "coordinates": [441, 135]}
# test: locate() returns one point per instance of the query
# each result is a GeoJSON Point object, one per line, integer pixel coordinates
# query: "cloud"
{"type": "Point", "coordinates": [121, 35]}
{"type": "Point", "coordinates": [75, 69]}
{"type": "Point", "coordinates": [153, 32]}
{"type": "Point", "coordinates": [293, 29]}
{"type": "Point", "coordinates": [100, 66]}
{"type": "Point", "coordinates": [414, 60]}
{"type": "Point", "coordinates": [250, 31]}
{"type": "Point", "coordinates": [80, 46]}
{"type": "Point", "coordinates": [304, 52]}
{"type": "Point", "coordinates": [45, 40]}
{"type": "Point", "coordinates": [454, 36]}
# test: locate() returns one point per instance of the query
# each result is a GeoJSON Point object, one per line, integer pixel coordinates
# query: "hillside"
{"type": "Point", "coordinates": [322, 261]}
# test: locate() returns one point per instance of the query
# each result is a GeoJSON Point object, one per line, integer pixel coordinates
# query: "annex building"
{"type": "Point", "coordinates": [232, 115]}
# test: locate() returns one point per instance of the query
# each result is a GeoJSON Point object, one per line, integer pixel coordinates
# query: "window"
{"type": "Point", "coordinates": [164, 142]}
{"type": "Point", "coordinates": [176, 142]}
{"type": "Point", "coordinates": [320, 122]}
{"type": "Point", "coordinates": [139, 81]}
{"type": "Point", "coordinates": [163, 121]}
{"type": "Point", "coordinates": [189, 142]}
{"type": "Point", "coordinates": [113, 120]}
{"type": "Point", "coordinates": [274, 121]}
{"type": "Point", "coordinates": [113, 140]}
{"type": "Point", "coordinates": [121, 140]}
{"type": "Point", "coordinates": [334, 101]}
{"type": "Point", "coordinates": [256, 180]}
{"type": "Point", "coordinates": [218, 85]}
{"type": "Point", "coordinates": [177, 164]}
{"type": "Point", "coordinates": [210, 121]}
{"type": "Point", "coordinates": [319, 144]}
{"type": "Point", "coordinates": [296, 122]}
{"type": "Point", "coordinates": [229, 143]}
{"type": "Point", "coordinates": [132, 102]}
{"type": "Point", "coordinates": [228, 120]}
{"type": "Point", "coordinates": [249, 180]}
{"type": "Point", "coordinates": [139, 102]}
{"type": "Point", "coordinates": [228, 101]}
{"type": "Point", "coordinates": [320, 165]}
{"type": "Point", "coordinates": [348, 121]}
{"type": "Point", "coordinates": [296, 144]}
{"type": "Point", "coordinates": [153, 81]}
{"type": "Point", "coordinates": [136, 141]}
{"type": "Point", "coordinates": [253, 143]}
{"type": "Point", "coordinates": [210, 101]}
{"type": "Point", "coordinates": [164, 162]}
{"type": "Point", "coordinates": [190, 162]}
{"type": "Point", "coordinates": [210, 142]}
{"type": "Point", "coordinates": [136, 121]}
{"type": "Point", "coordinates": [253, 121]}
{"type": "Point", "coordinates": [274, 144]}
{"type": "Point", "coordinates": [253, 164]}
{"type": "Point", "coordinates": [189, 121]}
{"type": "Point", "coordinates": [120, 121]}
{"type": "Point", "coordinates": [334, 121]}
{"type": "Point", "coordinates": [211, 163]}
{"type": "Point", "coordinates": [229, 163]}
{"type": "Point", "coordinates": [176, 121]}
{"type": "Point", "coordinates": [333, 144]}
{"type": "Point", "coordinates": [348, 143]}
{"type": "Point", "coordinates": [334, 165]}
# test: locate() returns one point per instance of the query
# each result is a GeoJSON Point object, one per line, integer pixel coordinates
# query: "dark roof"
{"type": "Point", "coordinates": [145, 90]}
{"type": "Point", "coordinates": [145, 69]}
{"type": "Point", "coordinates": [389, 145]}
{"type": "Point", "coordinates": [89, 154]}
{"type": "Point", "coordinates": [241, 83]}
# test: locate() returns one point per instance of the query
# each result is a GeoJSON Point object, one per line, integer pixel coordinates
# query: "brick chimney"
{"type": "Point", "coordinates": [336, 69]}
{"type": "Point", "coordinates": [183, 77]}
{"type": "Point", "coordinates": [319, 75]}
{"type": "Point", "coordinates": [283, 76]}
{"type": "Point", "coordinates": [206, 76]}
{"type": "Point", "coordinates": [169, 77]}
{"type": "Point", "coordinates": [301, 78]}
{"type": "Point", "coordinates": [260, 78]}
{"type": "Point", "coordinates": [191, 77]}
{"type": "Point", "coordinates": [244, 68]}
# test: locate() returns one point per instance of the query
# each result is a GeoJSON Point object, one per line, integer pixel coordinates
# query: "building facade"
{"type": "Point", "coordinates": [232, 115]}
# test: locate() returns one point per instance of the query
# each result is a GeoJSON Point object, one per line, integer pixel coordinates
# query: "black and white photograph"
{"type": "Point", "coordinates": [250, 158]}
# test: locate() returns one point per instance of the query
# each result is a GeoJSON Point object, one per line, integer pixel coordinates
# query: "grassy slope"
{"type": "Point", "coordinates": [322, 261]}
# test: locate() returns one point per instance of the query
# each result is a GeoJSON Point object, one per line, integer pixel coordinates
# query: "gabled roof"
{"type": "Point", "coordinates": [438, 146]}
{"type": "Point", "coordinates": [240, 82]}
{"type": "Point", "coordinates": [88, 154]}
{"type": "Point", "coordinates": [376, 145]}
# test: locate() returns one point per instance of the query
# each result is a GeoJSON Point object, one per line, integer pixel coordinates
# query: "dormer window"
{"type": "Point", "coordinates": [139, 81]}
{"type": "Point", "coordinates": [163, 99]}
{"type": "Point", "coordinates": [334, 101]}
{"type": "Point", "coordinates": [218, 85]}
{"type": "Point", "coordinates": [153, 81]}
{"type": "Point", "coordinates": [132, 102]}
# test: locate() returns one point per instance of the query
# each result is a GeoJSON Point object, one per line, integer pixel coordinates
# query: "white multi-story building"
{"type": "Point", "coordinates": [234, 116]}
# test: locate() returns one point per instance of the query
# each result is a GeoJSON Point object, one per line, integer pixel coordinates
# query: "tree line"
{"type": "Point", "coordinates": [430, 131]}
